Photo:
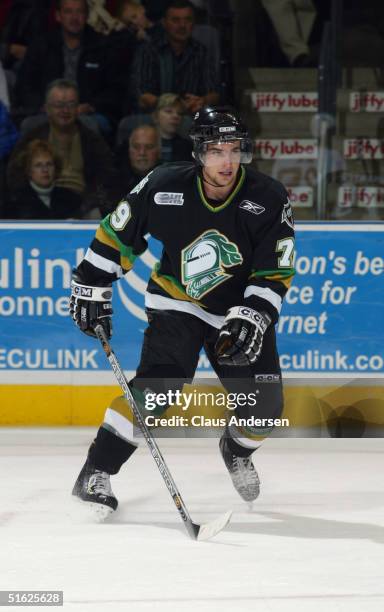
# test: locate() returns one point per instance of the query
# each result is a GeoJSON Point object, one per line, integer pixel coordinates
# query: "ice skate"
{"type": "Point", "coordinates": [94, 488]}
{"type": "Point", "coordinates": [242, 471]}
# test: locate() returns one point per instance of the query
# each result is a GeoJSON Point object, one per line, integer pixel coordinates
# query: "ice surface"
{"type": "Point", "coordinates": [314, 541]}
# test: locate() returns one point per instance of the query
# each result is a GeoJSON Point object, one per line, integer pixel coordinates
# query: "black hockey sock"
{"type": "Point", "coordinates": [237, 449]}
{"type": "Point", "coordinates": [108, 452]}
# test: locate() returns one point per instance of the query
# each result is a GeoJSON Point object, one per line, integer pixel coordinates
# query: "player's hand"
{"type": "Point", "coordinates": [90, 306]}
{"type": "Point", "coordinates": [241, 337]}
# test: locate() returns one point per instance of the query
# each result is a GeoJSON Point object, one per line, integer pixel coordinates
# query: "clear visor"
{"type": "Point", "coordinates": [219, 152]}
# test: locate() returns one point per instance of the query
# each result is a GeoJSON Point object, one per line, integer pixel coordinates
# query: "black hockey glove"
{"type": "Point", "coordinates": [241, 337]}
{"type": "Point", "coordinates": [89, 306]}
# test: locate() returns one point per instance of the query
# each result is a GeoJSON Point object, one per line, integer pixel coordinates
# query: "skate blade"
{"type": "Point", "coordinates": [87, 511]}
{"type": "Point", "coordinates": [208, 530]}
{"type": "Point", "coordinates": [99, 512]}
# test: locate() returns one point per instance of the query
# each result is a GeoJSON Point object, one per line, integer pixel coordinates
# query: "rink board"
{"type": "Point", "coordinates": [331, 355]}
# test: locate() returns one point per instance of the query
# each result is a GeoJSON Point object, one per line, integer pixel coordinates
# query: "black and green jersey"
{"type": "Point", "coordinates": [215, 255]}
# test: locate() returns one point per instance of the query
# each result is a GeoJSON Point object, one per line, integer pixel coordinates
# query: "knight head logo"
{"type": "Point", "coordinates": [203, 262]}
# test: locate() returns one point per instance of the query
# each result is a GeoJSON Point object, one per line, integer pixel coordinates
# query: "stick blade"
{"type": "Point", "coordinates": [209, 530]}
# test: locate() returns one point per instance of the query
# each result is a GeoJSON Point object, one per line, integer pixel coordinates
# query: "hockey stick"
{"type": "Point", "coordinates": [197, 532]}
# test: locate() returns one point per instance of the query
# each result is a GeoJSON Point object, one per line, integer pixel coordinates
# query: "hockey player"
{"type": "Point", "coordinates": [227, 261]}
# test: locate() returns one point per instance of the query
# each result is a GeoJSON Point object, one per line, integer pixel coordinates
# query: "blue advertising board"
{"type": "Point", "coordinates": [331, 321]}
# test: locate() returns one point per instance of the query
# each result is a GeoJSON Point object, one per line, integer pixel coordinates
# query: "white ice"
{"type": "Point", "coordinates": [314, 541]}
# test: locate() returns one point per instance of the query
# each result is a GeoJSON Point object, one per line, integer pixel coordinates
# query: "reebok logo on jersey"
{"type": "Point", "coordinates": [252, 207]}
{"type": "Point", "coordinates": [164, 198]}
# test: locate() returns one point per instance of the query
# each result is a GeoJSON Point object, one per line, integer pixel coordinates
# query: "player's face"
{"type": "Point", "coordinates": [178, 24]}
{"type": "Point", "coordinates": [72, 16]}
{"type": "Point", "coordinates": [143, 150]}
{"type": "Point", "coordinates": [62, 107]}
{"type": "Point", "coordinates": [169, 119]}
{"type": "Point", "coordinates": [221, 163]}
{"type": "Point", "coordinates": [42, 170]}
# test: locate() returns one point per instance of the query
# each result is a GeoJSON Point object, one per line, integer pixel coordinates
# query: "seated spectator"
{"type": "Point", "coordinates": [293, 21]}
{"type": "Point", "coordinates": [135, 28]}
{"type": "Point", "coordinates": [38, 196]}
{"type": "Point", "coordinates": [8, 138]}
{"type": "Point", "coordinates": [132, 14]}
{"type": "Point", "coordinates": [87, 166]}
{"type": "Point", "coordinates": [76, 52]}
{"type": "Point", "coordinates": [24, 21]}
{"type": "Point", "coordinates": [167, 117]}
{"type": "Point", "coordinates": [175, 62]}
{"type": "Point", "coordinates": [137, 157]}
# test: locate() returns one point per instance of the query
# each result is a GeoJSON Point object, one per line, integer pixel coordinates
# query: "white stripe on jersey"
{"type": "Point", "coordinates": [164, 303]}
{"type": "Point", "coordinates": [102, 263]}
{"type": "Point", "coordinates": [265, 293]}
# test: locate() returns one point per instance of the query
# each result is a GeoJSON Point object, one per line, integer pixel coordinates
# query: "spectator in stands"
{"type": "Point", "coordinates": [168, 117]}
{"type": "Point", "coordinates": [132, 14]}
{"type": "Point", "coordinates": [24, 21]}
{"type": "Point", "coordinates": [175, 62]}
{"type": "Point", "coordinates": [137, 157]}
{"type": "Point", "coordinates": [38, 195]}
{"type": "Point", "coordinates": [8, 138]}
{"type": "Point", "coordinates": [293, 21]}
{"type": "Point", "coordinates": [76, 52]}
{"type": "Point", "coordinates": [87, 166]}
{"type": "Point", "coordinates": [135, 28]}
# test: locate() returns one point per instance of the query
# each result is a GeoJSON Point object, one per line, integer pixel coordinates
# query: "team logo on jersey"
{"type": "Point", "coordinates": [142, 183]}
{"type": "Point", "coordinates": [203, 262]}
{"type": "Point", "coordinates": [165, 198]}
{"type": "Point", "coordinates": [287, 214]}
{"type": "Point", "coordinates": [252, 207]}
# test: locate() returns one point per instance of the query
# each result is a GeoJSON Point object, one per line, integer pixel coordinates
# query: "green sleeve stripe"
{"type": "Point", "coordinates": [284, 273]}
{"type": "Point", "coordinates": [126, 251]}
{"type": "Point", "coordinates": [171, 279]}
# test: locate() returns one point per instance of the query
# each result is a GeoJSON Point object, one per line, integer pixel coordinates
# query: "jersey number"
{"type": "Point", "coordinates": [121, 216]}
{"type": "Point", "coordinates": [286, 247]}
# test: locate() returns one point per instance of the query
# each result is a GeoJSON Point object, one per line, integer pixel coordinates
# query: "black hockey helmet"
{"type": "Point", "coordinates": [219, 124]}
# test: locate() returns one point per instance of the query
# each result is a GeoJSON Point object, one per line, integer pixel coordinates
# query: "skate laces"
{"type": "Point", "coordinates": [243, 467]}
{"type": "Point", "coordinates": [242, 464]}
{"type": "Point", "coordinates": [99, 483]}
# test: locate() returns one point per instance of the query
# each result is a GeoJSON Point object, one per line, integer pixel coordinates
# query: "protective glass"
{"type": "Point", "coordinates": [215, 152]}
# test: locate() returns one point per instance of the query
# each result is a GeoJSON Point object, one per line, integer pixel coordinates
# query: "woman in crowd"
{"type": "Point", "coordinates": [168, 117]}
{"type": "Point", "coordinates": [37, 196]}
